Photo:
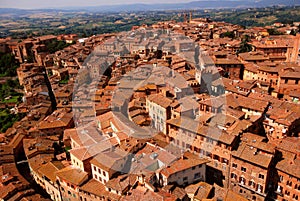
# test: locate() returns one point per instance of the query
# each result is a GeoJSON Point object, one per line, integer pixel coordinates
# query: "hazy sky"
{"type": "Point", "coordinates": [28, 4]}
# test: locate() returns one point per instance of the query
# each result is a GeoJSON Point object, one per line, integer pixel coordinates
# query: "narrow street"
{"type": "Point", "coordinates": [25, 172]}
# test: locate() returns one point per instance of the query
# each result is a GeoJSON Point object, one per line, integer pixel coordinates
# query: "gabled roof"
{"type": "Point", "coordinates": [49, 170]}
{"type": "Point", "coordinates": [187, 162]}
{"type": "Point", "coordinates": [72, 175]}
{"type": "Point", "coordinates": [109, 160]}
{"type": "Point", "coordinates": [160, 100]}
{"type": "Point", "coordinates": [85, 153]}
{"type": "Point", "coordinates": [291, 167]}
{"type": "Point", "coordinates": [250, 154]}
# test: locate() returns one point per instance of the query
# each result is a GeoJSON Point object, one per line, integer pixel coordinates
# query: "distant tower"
{"type": "Point", "coordinates": [191, 16]}
{"type": "Point", "coordinates": [184, 17]}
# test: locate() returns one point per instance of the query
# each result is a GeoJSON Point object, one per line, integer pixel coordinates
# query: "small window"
{"type": "Point", "coordinates": [280, 178]}
{"type": "Point", "coordinates": [197, 175]}
{"type": "Point", "coordinates": [251, 183]}
{"type": "Point", "coordinates": [289, 183]}
{"type": "Point", "coordinates": [261, 176]}
{"type": "Point", "coordinates": [243, 169]}
{"type": "Point", "coordinates": [234, 165]}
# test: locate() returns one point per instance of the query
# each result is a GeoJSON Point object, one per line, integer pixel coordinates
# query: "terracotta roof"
{"type": "Point", "coordinates": [251, 67]}
{"type": "Point", "coordinates": [227, 61]}
{"type": "Point", "coordinates": [73, 175]}
{"type": "Point", "coordinates": [250, 154]}
{"type": "Point", "coordinates": [109, 160]}
{"type": "Point", "coordinates": [282, 115]}
{"type": "Point", "coordinates": [251, 137]}
{"type": "Point", "coordinates": [85, 153]}
{"type": "Point", "coordinates": [86, 135]}
{"type": "Point", "coordinates": [234, 113]}
{"type": "Point", "coordinates": [34, 197]}
{"type": "Point", "coordinates": [215, 102]}
{"type": "Point", "coordinates": [6, 190]}
{"type": "Point", "coordinates": [59, 118]}
{"type": "Point", "coordinates": [287, 74]}
{"type": "Point", "coordinates": [36, 146]}
{"type": "Point", "coordinates": [239, 87]}
{"type": "Point", "coordinates": [200, 190]}
{"type": "Point", "coordinates": [221, 119]}
{"type": "Point", "coordinates": [251, 103]}
{"type": "Point", "coordinates": [290, 144]}
{"type": "Point", "coordinates": [142, 193]}
{"type": "Point", "coordinates": [253, 56]}
{"type": "Point", "coordinates": [49, 170]}
{"type": "Point", "coordinates": [232, 196]}
{"type": "Point", "coordinates": [188, 103]}
{"type": "Point", "coordinates": [274, 42]}
{"type": "Point", "coordinates": [37, 161]}
{"type": "Point", "coordinates": [185, 123]}
{"type": "Point", "coordinates": [121, 182]}
{"type": "Point", "coordinates": [222, 193]}
{"type": "Point", "coordinates": [160, 100]}
{"type": "Point", "coordinates": [207, 131]}
{"type": "Point", "coordinates": [96, 188]}
{"type": "Point", "coordinates": [269, 69]}
{"type": "Point", "coordinates": [258, 142]}
{"type": "Point", "coordinates": [187, 162]}
{"type": "Point", "coordinates": [291, 167]}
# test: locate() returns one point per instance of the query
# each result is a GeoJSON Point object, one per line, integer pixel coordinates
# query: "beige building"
{"type": "Point", "coordinates": [159, 108]}
{"type": "Point", "coordinates": [81, 157]}
{"type": "Point", "coordinates": [106, 164]}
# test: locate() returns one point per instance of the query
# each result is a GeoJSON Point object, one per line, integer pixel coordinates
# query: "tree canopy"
{"type": "Point", "coordinates": [8, 65]}
{"type": "Point", "coordinates": [244, 45]}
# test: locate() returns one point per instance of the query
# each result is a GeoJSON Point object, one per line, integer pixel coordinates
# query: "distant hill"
{"type": "Point", "coordinates": [195, 5]}
{"type": "Point", "coordinates": [205, 4]}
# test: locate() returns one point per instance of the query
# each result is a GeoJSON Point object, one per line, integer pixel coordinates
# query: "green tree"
{"type": "Point", "coordinates": [274, 32]}
{"type": "Point", "coordinates": [229, 34]}
{"type": "Point", "coordinates": [8, 65]}
{"type": "Point", "coordinates": [244, 45]}
{"type": "Point", "coordinates": [293, 32]}
{"type": "Point", "coordinates": [56, 45]}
